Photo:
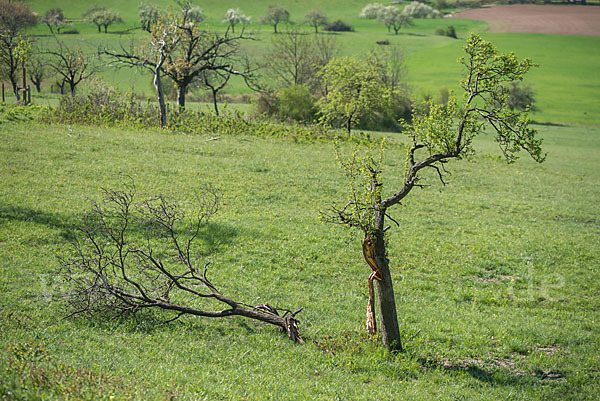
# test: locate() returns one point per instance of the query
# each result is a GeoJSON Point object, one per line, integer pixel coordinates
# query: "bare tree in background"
{"type": "Point", "coordinates": [214, 80]}
{"type": "Point", "coordinates": [295, 58]}
{"type": "Point", "coordinates": [37, 68]}
{"type": "Point", "coordinates": [54, 18]}
{"type": "Point", "coordinates": [316, 18]}
{"type": "Point", "coordinates": [134, 255]}
{"type": "Point", "coordinates": [274, 16]}
{"type": "Point", "coordinates": [71, 64]}
{"type": "Point", "coordinates": [199, 50]}
{"type": "Point", "coordinates": [151, 55]}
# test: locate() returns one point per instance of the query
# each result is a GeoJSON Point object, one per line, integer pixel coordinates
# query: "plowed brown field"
{"type": "Point", "coordinates": [556, 19]}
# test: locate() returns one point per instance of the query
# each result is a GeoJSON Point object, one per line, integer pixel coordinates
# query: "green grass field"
{"type": "Point", "coordinates": [496, 274]}
{"type": "Point", "coordinates": [566, 83]}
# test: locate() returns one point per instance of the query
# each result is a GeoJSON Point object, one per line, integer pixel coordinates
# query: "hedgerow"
{"type": "Point", "coordinates": [103, 106]}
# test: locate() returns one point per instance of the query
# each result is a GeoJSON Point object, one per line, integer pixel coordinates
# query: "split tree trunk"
{"type": "Point", "coordinates": [390, 332]}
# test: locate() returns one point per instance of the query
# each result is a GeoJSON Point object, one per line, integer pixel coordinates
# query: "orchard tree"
{"type": "Point", "coordinates": [101, 17]}
{"type": "Point", "coordinates": [70, 64]}
{"type": "Point", "coordinates": [438, 134]}
{"type": "Point", "coordinates": [235, 16]}
{"type": "Point", "coordinates": [390, 16]}
{"type": "Point", "coordinates": [295, 59]}
{"type": "Point", "coordinates": [199, 50]}
{"type": "Point", "coordinates": [393, 18]}
{"type": "Point", "coordinates": [392, 59]}
{"type": "Point", "coordinates": [417, 9]}
{"type": "Point", "coordinates": [15, 17]}
{"type": "Point", "coordinates": [190, 13]}
{"type": "Point", "coordinates": [151, 56]}
{"type": "Point", "coordinates": [274, 16]}
{"type": "Point", "coordinates": [316, 18]}
{"type": "Point", "coordinates": [214, 81]}
{"type": "Point", "coordinates": [291, 60]}
{"type": "Point", "coordinates": [37, 68]}
{"type": "Point", "coordinates": [54, 18]}
{"type": "Point", "coordinates": [371, 11]}
{"type": "Point", "coordinates": [353, 89]}
{"type": "Point", "coordinates": [149, 15]}
{"type": "Point", "coordinates": [180, 48]}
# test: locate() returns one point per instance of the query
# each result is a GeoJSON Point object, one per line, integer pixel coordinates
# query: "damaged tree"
{"type": "Point", "coordinates": [119, 268]}
{"type": "Point", "coordinates": [438, 134]}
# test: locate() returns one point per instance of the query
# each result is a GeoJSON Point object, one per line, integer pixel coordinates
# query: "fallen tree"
{"type": "Point", "coordinates": [130, 256]}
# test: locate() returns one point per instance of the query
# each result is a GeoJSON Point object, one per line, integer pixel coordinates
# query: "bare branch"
{"type": "Point", "coordinates": [112, 273]}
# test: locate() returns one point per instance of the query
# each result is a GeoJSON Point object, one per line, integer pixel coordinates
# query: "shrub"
{"type": "Point", "coordinates": [296, 103]}
{"type": "Point", "coordinates": [19, 113]}
{"type": "Point", "coordinates": [387, 119]}
{"type": "Point", "coordinates": [102, 105]}
{"type": "Point", "coordinates": [444, 95]}
{"type": "Point", "coordinates": [265, 104]}
{"type": "Point", "coordinates": [441, 4]}
{"type": "Point", "coordinates": [448, 31]}
{"type": "Point", "coordinates": [520, 96]}
{"type": "Point", "coordinates": [338, 26]}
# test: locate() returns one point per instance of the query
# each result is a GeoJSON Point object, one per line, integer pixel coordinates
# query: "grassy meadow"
{"type": "Point", "coordinates": [496, 274]}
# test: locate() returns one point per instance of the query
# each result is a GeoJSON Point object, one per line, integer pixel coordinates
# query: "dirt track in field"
{"type": "Point", "coordinates": [555, 19]}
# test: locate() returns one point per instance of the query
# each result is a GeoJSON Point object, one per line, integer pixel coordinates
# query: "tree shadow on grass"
{"type": "Point", "coordinates": [411, 34]}
{"type": "Point", "coordinates": [55, 221]}
{"type": "Point", "coordinates": [217, 236]}
{"type": "Point", "coordinates": [494, 374]}
{"type": "Point", "coordinates": [213, 235]}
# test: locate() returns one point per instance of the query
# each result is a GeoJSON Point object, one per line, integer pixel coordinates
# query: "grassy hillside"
{"type": "Point", "coordinates": [566, 86]}
{"type": "Point", "coordinates": [496, 274]}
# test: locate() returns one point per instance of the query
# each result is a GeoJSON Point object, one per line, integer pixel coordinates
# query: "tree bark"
{"type": "Point", "coordinates": [181, 96]}
{"type": "Point", "coordinates": [15, 86]}
{"type": "Point", "coordinates": [214, 96]}
{"type": "Point", "coordinates": [390, 332]}
{"type": "Point", "coordinates": [162, 109]}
